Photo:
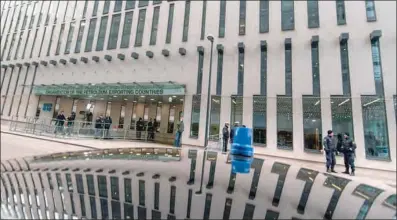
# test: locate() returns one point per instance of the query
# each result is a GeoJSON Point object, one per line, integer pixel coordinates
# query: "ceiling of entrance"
{"type": "Point", "coordinates": [172, 99]}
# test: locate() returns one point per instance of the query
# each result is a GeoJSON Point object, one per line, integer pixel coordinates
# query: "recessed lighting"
{"type": "Point", "coordinates": [133, 101]}
{"type": "Point", "coordinates": [174, 96]}
{"type": "Point", "coordinates": [101, 98]}
{"type": "Point", "coordinates": [142, 96]}
{"type": "Point", "coordinates": [90, 96]}
{"type": "Point", "coordinates": [151, 99]}
{"type": "Point", "coordinates": [181, 100]}
{"type": "Point", "coordinates": [115, 96]}
{"type": "Point", "coordinates": [160, 102]}
{"type": "Point", "coordinates": [125, 99]}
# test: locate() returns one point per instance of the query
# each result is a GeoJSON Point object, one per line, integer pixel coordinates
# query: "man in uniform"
{"type": "Point", "coordinates": [233, 131]}
{"type": "Point", "coordinates": [349, 148]}
{"type": "Point", "coordinates": [225, 135]}
{"type": "Point", "coordinates": [330, 149]}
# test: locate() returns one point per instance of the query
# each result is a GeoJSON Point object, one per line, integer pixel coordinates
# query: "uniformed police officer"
{"type": "Point", "coordinates": [330, 149]}
{"type": "Point", "coordinates": [349, 148]}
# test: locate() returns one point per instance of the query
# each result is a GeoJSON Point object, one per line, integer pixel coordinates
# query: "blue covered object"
{"type": "Point", "coordinates": [242, 152]}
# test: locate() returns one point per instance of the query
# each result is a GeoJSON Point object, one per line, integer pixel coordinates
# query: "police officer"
{"type": "Point", "coordinates": [349, 148]}
{"type": "Point", "coordinates": [225, 135]}
{"type": "Point", "coordinates": [330, 149]}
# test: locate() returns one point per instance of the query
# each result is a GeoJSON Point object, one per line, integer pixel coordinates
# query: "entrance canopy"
{"type": "Point", "coordinates": [114, 89]}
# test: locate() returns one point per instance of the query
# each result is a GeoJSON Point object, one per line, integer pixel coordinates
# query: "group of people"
{"type": "Point", "coordinates": [343, 144]}
{"type": "Point", "coordinates": [60, 123]}
{"type": "Point", "coordinates": [229, 134]}
{"type": "Point", "coordinates": [102, 126]}
{"type": "Point", "coordinates": [152, 127]}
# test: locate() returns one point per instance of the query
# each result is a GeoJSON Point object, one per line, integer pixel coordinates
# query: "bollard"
{"type": "Point", "coordinates": [242, 152]}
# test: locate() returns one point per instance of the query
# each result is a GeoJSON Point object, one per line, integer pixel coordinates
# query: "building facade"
{"type": "Point", "coordinates": [291, 70]}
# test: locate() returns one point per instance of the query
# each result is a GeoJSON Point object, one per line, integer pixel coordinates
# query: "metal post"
{"type": "Point", "coordinates": [211, 39]}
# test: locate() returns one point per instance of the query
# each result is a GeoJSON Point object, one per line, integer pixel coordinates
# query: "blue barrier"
{"type": "Point", "coordinates": [242, 152]}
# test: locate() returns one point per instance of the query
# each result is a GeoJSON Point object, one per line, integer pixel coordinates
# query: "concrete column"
{"type": "Point", "coordinates": [165, 112]}
{"type": "Point", "coordinates": [115, 113]}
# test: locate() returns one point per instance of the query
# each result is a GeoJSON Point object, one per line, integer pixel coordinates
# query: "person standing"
{"type": "Point", "coordinates": [233, 131]}
{"type": "Point", "coordinates": [70, 123]}
{"type": "Point", "coordinates": [349, 148]}
{"type": "Point", "coordinates": [150, 129]}
{"type": "Point", "coordinates": [179, 131]}
{"type": "Point", "coordinates": [98, 127]}
{"type": "Point", "coordinates": [225, 135]}
{"type": "Point", "coordinates": [60, 122]}
{"type": "Point", "coordinates": [108, 123]}
{"type": "Point", "coordinates": [139, 128]}
{"type": "Point", "coordinates": [330, 148]}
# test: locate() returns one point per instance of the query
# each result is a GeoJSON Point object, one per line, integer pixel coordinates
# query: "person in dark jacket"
{"type": "Point", "coordinates": [233, 130]}
{"type": "Point", "coordinates": [60, 122]}
{"type": "Point", "coordinates": [70, 123]}
{"type": "Point", "coordinates": [99, 127]}
{"type": "Point", "coordinates": [349, 148]}
{"type": "Point", "coordinates": [225, 136]}
{"type": "Point", "coordinates": [330, 149]}
{"type": "Point", "coordinates": [107, 124]}
{"type": "Point", "coordinates": [150, 129]}
{"type": "Point", "coordinates": [139, 128]}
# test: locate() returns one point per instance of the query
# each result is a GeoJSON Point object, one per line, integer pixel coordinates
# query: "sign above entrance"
{"type": "Point", "coordinates": [152, 89]}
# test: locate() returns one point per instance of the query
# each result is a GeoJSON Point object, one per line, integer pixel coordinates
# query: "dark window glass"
{"type": "Point", "coordinates": [284, 122]}
{"type": "Point", "coordinates": [195, 118]}
{"type": "Point", "coordinates": [51, 39]}
{"type": "Point", "coordinates": [60, 39]}
{"type": "Point", "coordinates": [118, 4]}
{"type": "Point", "coordinates": [155, 23]}
{"type": "Point", "coordinates": [236, 110]}
{"type": "Point", "coordinates": [377, 68]}
{"type": "Point", "coordinates": [102, 33]}
{"type": "Point", "coordinates": [340, 12]}
{"type": "Point", "coordinates": [143, 3]}
{"type": "Point", "coordinates": [140, 28]}
{"type": "Point", "coordinates": [219, 73]}
{"type": "Point", "coordinates": [243, 9]}
{"type": "Point", "coordinates": [95, 8]}
{"type": "Point", "coordinates": [263, 16]}
{"type": "Point", "coordinates": [80, 36]}
{"type": "Point", "coordinates": [106, 7]}
{"type": "Point", "coordinates": [259, 126]}
{"type": "Point", "coordinates": [263, 75]}
{"type": "Point", "coordinates": [222, 19]}
{"type": "Point", "coordinates": [312, 124]}
{"type": "Point", "coordinates": [125, 38]}
{"type": "Point", "coordinates": [102, 186]}
{"type": "Point", "coordinates": [79, 182]}
{"type": "Point", "coordinates": [240, 73]}
{"type": "Point", "coordinates": [186, 21]}
{"type": "Point", "coordinates": [129, 4]}
{"type": "Point", "coordinates": [169, 24]}
{"type": "Point", "coordinates": [90, 185]}
{"type": "Point", "coordinates": [342, 117]}
{"type": "Point", "coordinates": [215, 117]}
{"type": "Point", "coordinates": [85, 8]}
{"type": "Point", "coordinates": [344, 54]}
{"type": "Point", "coordinates": [312, 14]}
{"type": "Point", "coordinates": [287, 15]}
{"type": "Point", "coordinates": [114, 32]}
{"type": "Point", "coordinates": [127, 190]}
{"type": "Point", "coordinates": [114, 187]}
{"type": "Point", "coordinates": [156, 2]}
{"type": "Point", "coordinates": [200, 73]}
{"type": "Point", "coordinates": [70, 37]}
{"type": "Point", "coordinates": [203, 19]}
{"type": "Point", "coordinates": [90, 35]}
{"type": "Point", "coordinates": [315, 69]}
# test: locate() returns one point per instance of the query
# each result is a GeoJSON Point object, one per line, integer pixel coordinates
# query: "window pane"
{"type": "Point", "coordinates": [312, 124]}
{"type": "Point", "coordinates": [312, 14]}
{"type": "Point", "coordinates": [342, 117]}
{"type": "Point", "coordinates": [370, 9]}
{"type": "Point", "coordinates": [169, 25]}
{"type": "Point", "coordinates": [219, 74]}
{"type": "Point", "coordinates": [70, 38]}
{"type": "Point", "coordinates": [315, 69]}
{"type": "Point", "coordinates": [125, 39]}
{"type": "Point", "coordinates": [377, 68]}
{"type": "Point", "coordinates": [95, 8]}
{"type": "Point", "coordinates": [171, 120]}
{"type": "Point", "coordinates": [156, 2]}
{"type": "Point", "coordinates": [240, 73]}
{"type": "Point", "coordinates": [102, 33]}
{"type": "Point", "coordinates": [186, 21]}
{"type": "Point", "coordinates": [243, 8]}
{"type": "Point", "coordinates": [155, 23]}
{"type": "Point", "coordinates": [195, 118]}
{"type": "Point", "coordinates": [375, 127]}
{"type": "Point", "coordinates": [288, 70]}
{"type": "Point", "coordinates": [85, 8]}
{"type": "Point", "coordinates": [340, 12]}
{"type": "Point", "coordinates": [79, 36]}
{"type": "Point", "coordinates": [106, 7]}
{"type": "Point", "coordinates": [284, 123]}
{"type": "Point", "coordinates": [344, 54]}
{"type": "Point", "coordinates": [287, 15]}
{"type": "Point", "coordinates": [60, 39]}
{"type": "Point", "coordinates": [143, 3]}
{"type": "Point", "coordinates": [200, 73]}
{"type": "Point", "coordinates": [215, 117]}
{"type": "Point", "coordinates": [133, 117]}
{"type": "Point", "coordinates": [263, 16]}
{"type": "Point", "coordinates": [259, 126]}
{"type": "Point", "coordinates": [203, 19]}
{"type": "Point", "coordinates": [140, 28]}
{"type": "Point", "coordinates": [222, 18]}
{"type": "Point", "coordinates": [114, 31]}
{"type": "Point", "coordinates": [118, 4]}
{"type": "Point", "coordinates": [236, 110]}
{"type": "Point", "coordinates": [90, 35]}
{"type": "Point", "coordinates": [129, 4]}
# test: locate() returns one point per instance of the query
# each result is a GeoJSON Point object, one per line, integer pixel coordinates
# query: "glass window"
{"type": "Point", "coordinates": [143, 3]}
{"type": "Point", "coordinates": [60, 39]}
{"type": "Point", "coordinates": [102, 186]}
{"type": "Point", "coordinates": [312, 14]}
{"type": "Point", "coordinates": [11, 46]}
{"type": "Point", "coordinates": [263, 79]}
{"type": "Point", "coordinates": [284, 122]}
{"type": "Point", "coordinates": [200, 73]}
{"type": "Point", "coordinates": [18, 45]}
{"type": "Point", "coordinates": [106, 6]}
{"type": "Point", "coordinates": [315, 69]}
{"type": "Point", "coordinates": [288, 70]}
{"type": "Point", "coordinates": [236, 110]}
{"type": "Point", "coordinates": [56, 109]}
{"type": "Point", "coordinates": [125, 38]}
{"type": "Point", "coordinates": [156, 2]}
{"type": "Point", "coordinates": [90, 35]}
{"type": "Point", "coordinates": [79, 36]}
{"type": "Point", "coordinates": [95, 8]}
{"type": "Point", "coordinates": [377, 68]}
{"type": "Point", "coordinates": [240, 79]}
{"type": "Point", "coordinates": [140, 27]}
{"type": "Point", "coordinates": [122, 116]}
{"type": "Point", "coordinates": [51, 39]}
{"type": "Point", "coordinates": [118, 4]}
{"type": "Point", "coordinates": [186, 21]}
{"type": "Point", "coordinates": [158, 114]}
{"type": "Point", "coordinates": [222, 19]}
{"type": "Point", "coordinates": [102, 33]}
{"type": "Point", "coordinates": [127, 190]}
{"type": "Point", "coordinates": [195, 120]}
{"type": "Point", "coordinates": [342, 116]}
{"type": "Point", "coordinates": [215, 120]}
{"type": "Point", "coordinates": [340, 12]}
{"type": "Point", "coordinates": [169, 24]}
{"type": "Point", "coordinates": [375, 127]}
{"type": "Point", "coordinates": [171, 120]}
{"type": "Point", "coordinates": [312, 124]}
{"type": "Point", "coordinates": [114, 187]}
{"type": "Point", "coordinates": [287, 15]}
{"type": "Point", "coordinates": [263, 16]}
{"type": "Point", "coordinates": [344, 54]}
{"type": "Point", "coordinates": [219, 73]}
{"type": "Point", "coordinates": [243, 9]}
{"type": "Point", "coordinates": [259, 119]}
{"type": "Point", "coordinates": [70, 37]}
{"type": "Point", "coordinates": [85, 8]}
{"type": "Point", "coordinates": [74, 106]}
{"type": "Point", "coordinates": [114, 32]}
{"type": "Point", "coordinates": [42, 40]}
{"type": "Point", "coordinates": [203, 19]}
{"type": "Point", "coordinates": [155, 23]}
{"type": "Point", "coordinates": [129, 4]}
